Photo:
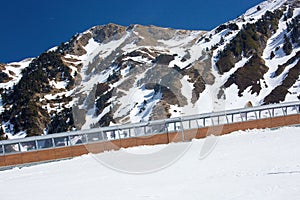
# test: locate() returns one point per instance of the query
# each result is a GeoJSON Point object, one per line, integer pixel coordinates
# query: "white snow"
{"type": "Point", "coordinates": [102, 50]}
{"type": "Point", "coordinates": [187, 88]}
{"type": "Point", "coordinates": [13, 70]}
{"type": "Point", "coordinates": [125, 71]}
{"type": "Point", "coordinates": [53, 49]}
{"type": "Point", "coordinates": [133, 104]}
{"type": "Point", "coordinates": [92, 119]}
{"type": "Point", "coordinates": [58, 85]}
{"type": "Point", "coordinates": [129, 47]}
{"type": "Point", "coordinates": [178, 45]}
{"type": "Point", "coordinates": [269, 5]}
{"type": "Point", "coordinates": [255, 164]}
{"type": "Point", "coordinates": [208, 101]}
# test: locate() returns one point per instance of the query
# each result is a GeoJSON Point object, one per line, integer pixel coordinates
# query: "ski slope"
{"type": "Point", "coordinates": [254, 164]}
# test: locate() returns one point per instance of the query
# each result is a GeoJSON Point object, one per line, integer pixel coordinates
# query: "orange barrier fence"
{"type": "Point", "coordinates": [21, 158]}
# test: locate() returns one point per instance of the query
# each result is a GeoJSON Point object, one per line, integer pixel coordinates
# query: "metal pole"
{"type": "Point", "coordinates": [2, 146]}
{"type": "Point", "coordinates": [119, 134]}
{"type": "Point", "coordinates": [182, 131]}
{"type": "Point", "coordinates": [86, 138]}
{"type": "Point", "coordinates": [53, 142]}
{"type": "Point", "coordinates": [102, 134]}
{"type": "Point", "coordinates": [36, 144]}
{"type": "Point", "coordinates": [129, 132]}
{"type": "Point", "coordinates": [269, 113]}
{"type": "Point", "coordinates": [197, 123]}
{"type": "Point", "coordinates": [286, 110]}
{"type": "Point", "coordinates": [226, 118]}
{"type": "Point", "coordinates": [167, 127]}
{"type": "Point", "coordinates": [69, 143]}
{"type": "Point", "coordinates": [19, 146]}
{"type": "Point", "coordinates": [241, 116]}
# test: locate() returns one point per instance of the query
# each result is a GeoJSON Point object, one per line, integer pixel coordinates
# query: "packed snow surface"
{"type": "Point", "coordinates": [254, 164]}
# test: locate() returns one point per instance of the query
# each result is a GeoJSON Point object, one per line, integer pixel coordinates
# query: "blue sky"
{"type": "Point", "coordinates": [29, 27]}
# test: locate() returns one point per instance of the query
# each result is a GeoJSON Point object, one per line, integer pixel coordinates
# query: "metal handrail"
{"type": "Point", "coordinates": [226, 113]}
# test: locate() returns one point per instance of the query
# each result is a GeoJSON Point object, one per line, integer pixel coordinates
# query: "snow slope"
{"type": "Point", "coordinates": [254, 164]}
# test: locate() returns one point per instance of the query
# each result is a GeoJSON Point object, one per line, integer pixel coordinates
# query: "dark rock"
{"type": "Point", "coordinates": [164, 59]}
{"type": "Point", "coordinates": [4, 77]}
{"type": "Point", "coordinates": [249, 75]}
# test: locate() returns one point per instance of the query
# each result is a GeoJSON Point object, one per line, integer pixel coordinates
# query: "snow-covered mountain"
{"type": "Point", "coordinates": [113, 74]}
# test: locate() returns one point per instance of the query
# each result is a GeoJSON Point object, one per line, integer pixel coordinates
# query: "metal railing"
{"type": "Point", "coordinates": [147, 128]}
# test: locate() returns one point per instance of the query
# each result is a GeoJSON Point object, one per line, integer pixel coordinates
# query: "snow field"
{"type": "Point", "coordinates": [253, 164]}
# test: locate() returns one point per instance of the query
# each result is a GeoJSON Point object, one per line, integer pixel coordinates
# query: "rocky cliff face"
{"type": "Point", "coordinates": [113, 74]}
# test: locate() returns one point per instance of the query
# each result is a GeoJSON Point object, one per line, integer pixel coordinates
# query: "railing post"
{"type": "Point", "coordinates": [197, 124]}
{"type": "Point", "coordinates": [119, 134]}
{"type": "Point", "coordinates": [226, 118]}
{"type": "Point", "coordinates": [19, 146]}
{"type": "Point", "coordinates": [3, 152]}
{"type": "Point", "coordinates": [167, 129]}
{"type": "Point", "coordinates": [283, 113]}
{"type": "Point", "coordinates": [182, 130]}
{"type": "Point", "coordinates": [36, 144]}
{"type": "Point", "coordinates": [102, 134]}
{"type": "Point", "coordinates": [269, 113]}
{"type": "Point", "coordinates": [69, 141]}
{"type": "Point", "coordinates": [286, 110]}
{"type": "Point", "coordinates": [241, 117]}
{"type": "Point", "coordinates": [53, 142]}
{"type": "Point", "coordinates": [86, 138]}
{"type": "Point", "coordinates": [212, 121]}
